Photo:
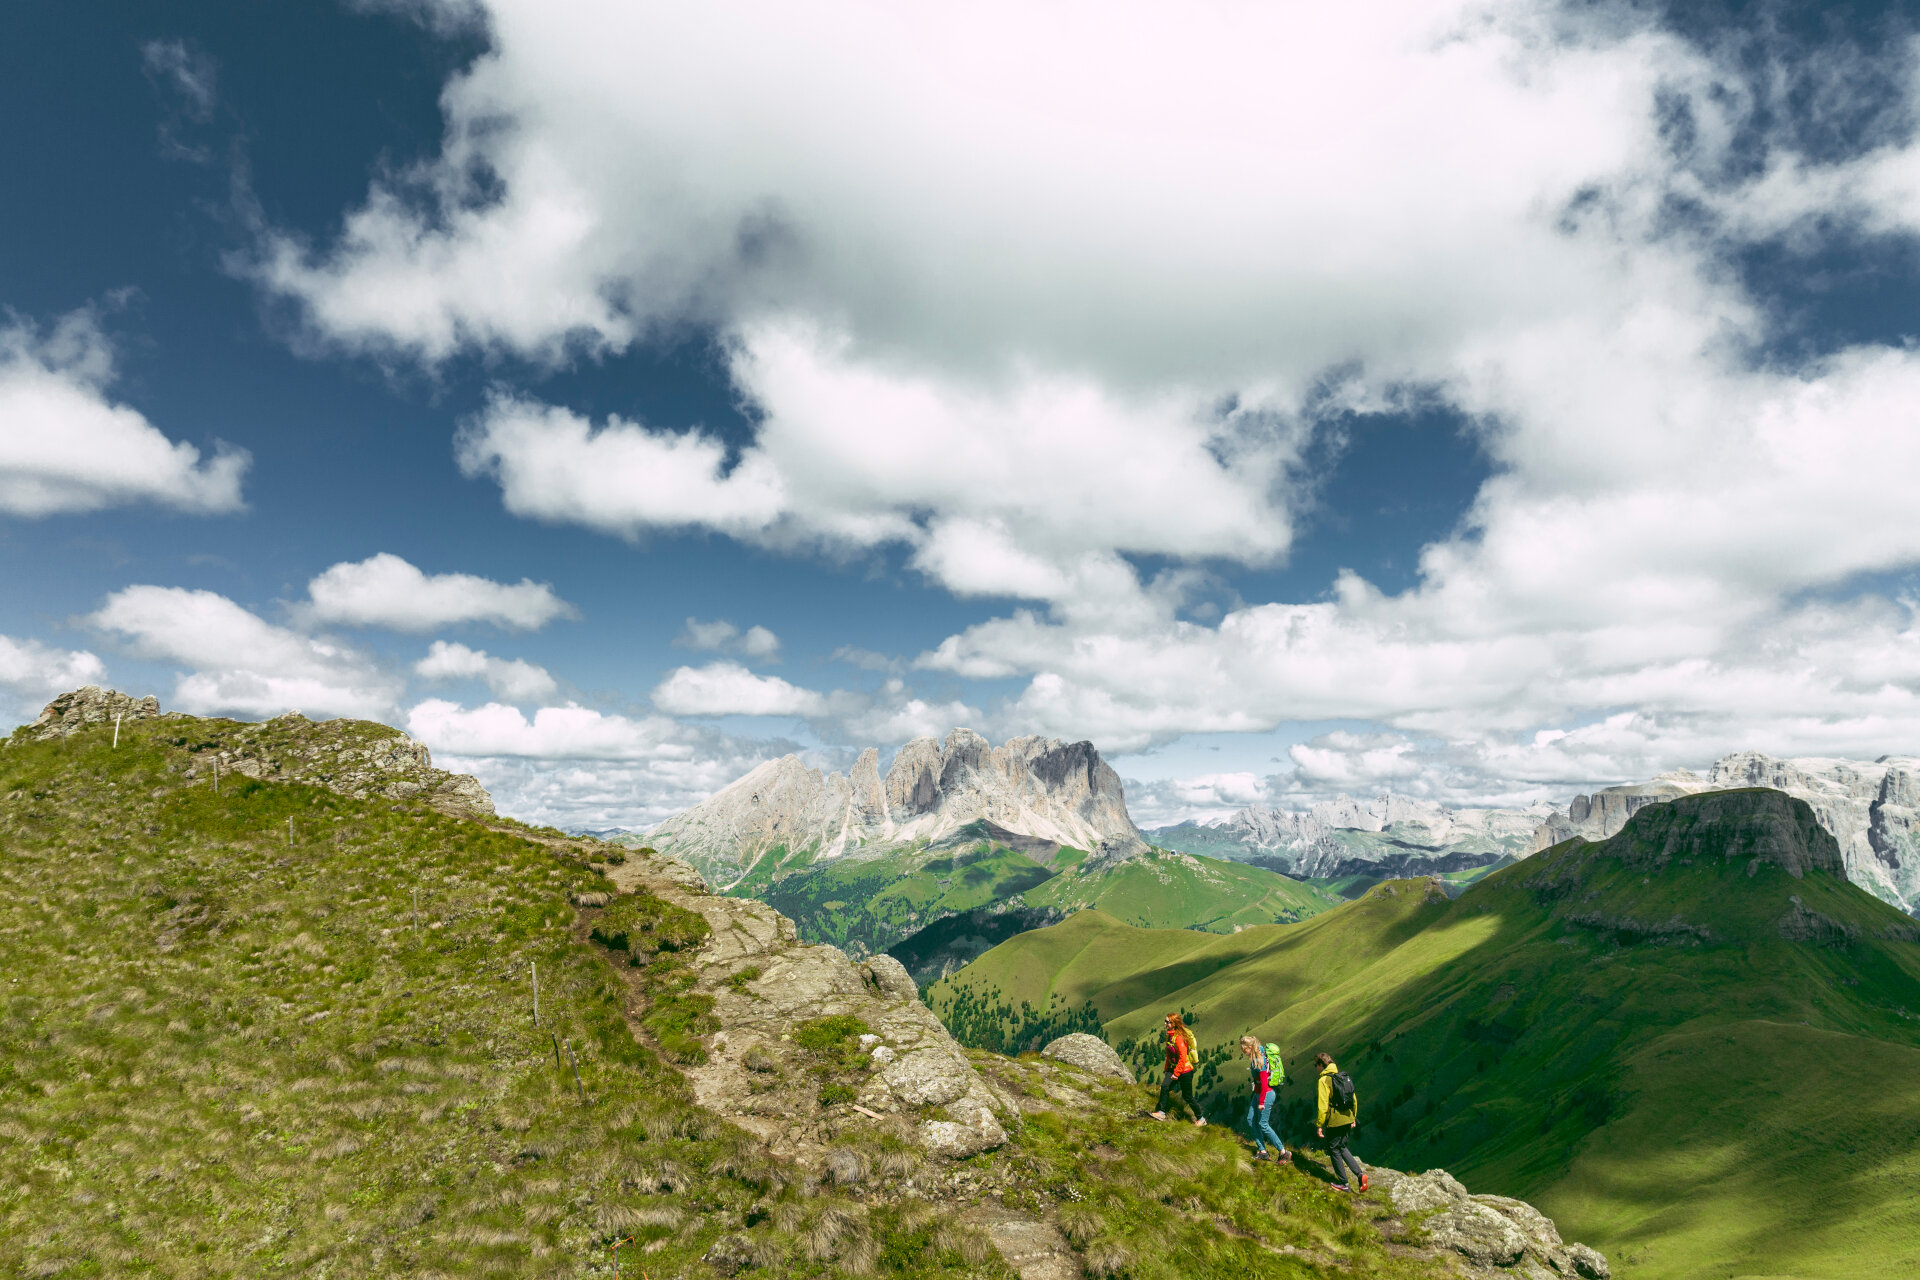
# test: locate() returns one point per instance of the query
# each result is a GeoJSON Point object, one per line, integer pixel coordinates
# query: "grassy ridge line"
{"type": "Point", "coordinates": [222, 1054]}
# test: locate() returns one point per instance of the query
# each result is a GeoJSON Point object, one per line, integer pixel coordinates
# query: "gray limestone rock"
{"type": "Point", "coordinates": [1589, 1263]}
{"type": "Point", "coordinates": [1090, 1053]}
{"type": "Point", "coordinates": [1478, 1233]}
{"type": "Point", "coordinates": [1417, 1193]}
{"type": "Point", "coordinates": [1058, 792]}
{"type": "Point", "coordinates": [918, 1082]}
{"type": "Point", "coordinates": [90, 705]}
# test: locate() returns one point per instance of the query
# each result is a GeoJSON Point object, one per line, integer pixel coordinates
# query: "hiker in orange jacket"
{"type": "Point", "coordinates": [1179, 1069]}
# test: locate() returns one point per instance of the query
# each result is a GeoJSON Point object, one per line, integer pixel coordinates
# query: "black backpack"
{"type": "Point", "coordinates": [1339, 1093]}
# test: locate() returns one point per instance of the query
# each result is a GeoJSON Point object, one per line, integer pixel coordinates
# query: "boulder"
{"type": "Point", "coordinates": [1418, 1193]}
{"type": "Point", "coordinates": [1090, 1053]}
{"type": "Point", "coordinates": [1589, 1263]}
{"type": "Point", "coordinates": [1478, 1233]}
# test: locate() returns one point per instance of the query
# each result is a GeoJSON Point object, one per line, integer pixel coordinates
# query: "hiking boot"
{"type": "Point", "coordinates": [1260, 1155]}
{"type": "Point", "coordinates": [1200, 1123]}
{"type": "Point", "coordinates": [1285, 1157]}
{"type": "Point", "coordinates": [1363, 1182]}
{"type": "Point", "coordinates": [1157, 1115]}
{"type": "Point", "coordinates": [1341, 1186]}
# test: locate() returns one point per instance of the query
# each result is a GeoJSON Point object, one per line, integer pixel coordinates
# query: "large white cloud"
{"type": "Point", "coordinates": [33, 672]}
{"type": "Point", "coordinates": [729, 689]}
{"type": "Point", "coordinates": [387, 591]}
{"type": "Point", "coordinates": [66, 447]}
{"type": "Point", "coordinates": [238, 662]}
{"type": "Point", "coordinates": [514, 679]}
{"type": "Point", "coordinates": [1028, 292]}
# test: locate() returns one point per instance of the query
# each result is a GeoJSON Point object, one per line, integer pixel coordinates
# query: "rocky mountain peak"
{"type": "Point", "coordinates": [1039, 787]}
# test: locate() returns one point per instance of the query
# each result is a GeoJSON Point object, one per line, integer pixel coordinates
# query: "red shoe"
{"type": "Point", "coordinates": [1363, 1182]}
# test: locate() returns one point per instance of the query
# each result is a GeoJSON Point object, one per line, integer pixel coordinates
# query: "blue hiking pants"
{"type": "Point", "coordinates": [1259, 1121]}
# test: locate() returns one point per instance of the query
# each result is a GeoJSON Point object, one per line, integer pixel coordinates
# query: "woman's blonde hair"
{"type": "Point", "coordinates": [1248, 1042]}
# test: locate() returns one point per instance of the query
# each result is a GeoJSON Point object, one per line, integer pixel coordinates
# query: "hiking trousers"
{"type": "Point", "coordinates": [1183, 1083]}
{"type": "Point", "coordinates": [1337, 1154]}
{"type": "Point", "coordinates": [1259, 1120]}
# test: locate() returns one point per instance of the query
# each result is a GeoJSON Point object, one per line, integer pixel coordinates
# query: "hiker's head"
{"type": "Point", "coordinates": [1174, 1023]}
{"type": "Point", "coordinates": [1322, 1059]}
{"type": "Point", "coordinates": [1249, 1046]}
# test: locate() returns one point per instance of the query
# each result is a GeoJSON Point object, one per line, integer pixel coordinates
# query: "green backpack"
{"type": "Point", "coordinates": [1276, 1069]}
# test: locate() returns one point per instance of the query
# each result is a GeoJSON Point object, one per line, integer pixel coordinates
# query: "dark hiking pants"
{"type": "Point", "coordinates": [1184, 1085]}
{"type": "Point", "coordinates": [1338, 1155]}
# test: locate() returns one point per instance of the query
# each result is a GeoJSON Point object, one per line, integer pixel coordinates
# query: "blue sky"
{"type": "Point", "coordinates": [1485, 401]}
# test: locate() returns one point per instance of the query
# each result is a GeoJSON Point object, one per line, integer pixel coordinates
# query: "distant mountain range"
{"type": "Point", "coordinates": [1692, 1042]}
{"type": "Point", "coordinates": [1347, 838]}
{"type": "Point", "coordinates": [1871, 808]}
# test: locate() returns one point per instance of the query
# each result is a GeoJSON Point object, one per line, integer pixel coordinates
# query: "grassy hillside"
{"type": "Point", "coordinates": [227, 1050]}
{"type": "Point", "coordinates": [1168, 890]}
{"type": "Point", "coordinates": [868, 903]}
{"type": "Point", "coordinates": [1627, 1033]}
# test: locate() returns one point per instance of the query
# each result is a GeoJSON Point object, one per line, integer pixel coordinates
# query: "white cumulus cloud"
{"type": "Point", "coordinates": [66, 447]}
{"type": "Point", "coordinates": [386, 591]}
{"type": "Point", "coordinates": [514, 679]}
{"type": "Point", "coordinates": [237, 662]}
{"type": "Point", "coordinates": [34, 672]}
{"type": "Point", "coordinates": [1036, 294]}
{"type": "Point", "coordinates": [728, 689]}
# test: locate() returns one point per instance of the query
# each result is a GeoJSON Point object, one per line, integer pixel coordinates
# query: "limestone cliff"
{"type": "Point", "coordinates": [1039, 787]}
{"type": "Point", "coordinates": [1871, 808]}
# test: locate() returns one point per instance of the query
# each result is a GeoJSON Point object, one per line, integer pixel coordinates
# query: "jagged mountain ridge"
{"type": "Point", "coordinates": [1061, 792]}
{"type": "Point", "coordinates": [1346, 836]}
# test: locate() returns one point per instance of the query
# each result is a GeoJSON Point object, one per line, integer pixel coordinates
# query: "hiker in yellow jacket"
{"type": "Point", "coordinates": [1338, 1116]}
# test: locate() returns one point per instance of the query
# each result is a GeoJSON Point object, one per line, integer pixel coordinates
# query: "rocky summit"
{"type": "Point", "coordinates": [1059, 792]}
{"type": "Point", "coordinates": [1871, 808]}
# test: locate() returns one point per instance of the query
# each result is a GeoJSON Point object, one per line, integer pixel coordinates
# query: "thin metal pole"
{"type": "Point", "coordinates": [116, 730]}
{"type": "Point", "coordinates": [575, 1064]}
{"type": "Point", "coordinates": [289, 831]}
{"type": "Point", "coordinates": [536, 992]}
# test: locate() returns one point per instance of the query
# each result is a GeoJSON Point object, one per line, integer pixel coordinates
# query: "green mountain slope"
{"type": "Point", "coordinates": [1627, 1033]}
{"type": "Point", "coordinates": [870, 902]}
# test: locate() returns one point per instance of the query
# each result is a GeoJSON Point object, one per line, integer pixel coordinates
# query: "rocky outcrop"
{"type": "Point", "coordinates": [1872, 810]}
{"type": "Point", "coordinates": [1090, 1053]}
{"type": "Point", "coordinates": [1491, 1234]}
{"type": "Point", "coordinates": [918, 1085]}
{"type": "Point", "coordinates": [90, 705]}
{"type": "Point", "coordinates": [358, 758]}
{"type": "Point", "coordinates": [1057, 792]}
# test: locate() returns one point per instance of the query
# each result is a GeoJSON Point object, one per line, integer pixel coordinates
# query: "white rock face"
{"type": "Point", "coordinates": [1041, 787]}
{"type": "Point", "coordinates": [1871, 808]}
{"type": "Point", "coordinates": [1332, 837]}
